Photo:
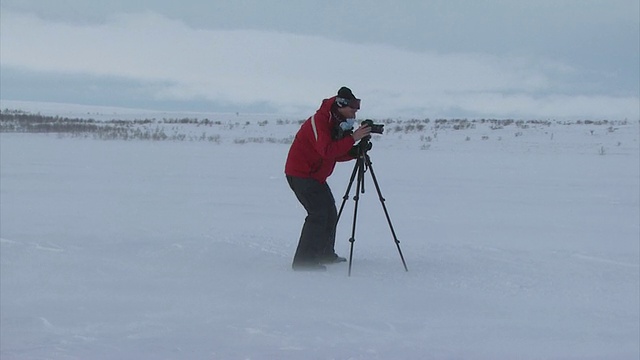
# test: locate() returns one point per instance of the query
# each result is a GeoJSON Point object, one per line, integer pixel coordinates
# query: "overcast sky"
{"type": "Point", "coordinates": [404, 58]}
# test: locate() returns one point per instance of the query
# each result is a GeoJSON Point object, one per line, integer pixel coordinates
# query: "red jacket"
{"type": "Point", "coordinates": [314, 153]}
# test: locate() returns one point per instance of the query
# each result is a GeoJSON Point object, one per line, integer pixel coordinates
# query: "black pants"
{"type": "Point", "coordinates": [318, 235]}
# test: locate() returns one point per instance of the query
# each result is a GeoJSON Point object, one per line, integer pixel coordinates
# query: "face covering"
{"type": "Point", "coordinates": [347, 124]}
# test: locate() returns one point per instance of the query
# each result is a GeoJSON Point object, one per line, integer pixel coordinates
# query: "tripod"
{"type": "Point", "coordinates": [363, 163]}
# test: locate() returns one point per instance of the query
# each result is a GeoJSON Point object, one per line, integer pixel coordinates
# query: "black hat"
{"type": "Point", "coordinates": [346, 98]}
{"type": "Point", "coordinates": [346, 93]}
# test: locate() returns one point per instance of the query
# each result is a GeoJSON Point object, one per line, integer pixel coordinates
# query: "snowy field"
{"type": "Point", "coordinates": [522, 242]}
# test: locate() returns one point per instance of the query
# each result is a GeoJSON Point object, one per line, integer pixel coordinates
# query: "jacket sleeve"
{"type": "Point", "coordinates": [345, 157]}
{"type": "Point", "coordinates": [324, 143]}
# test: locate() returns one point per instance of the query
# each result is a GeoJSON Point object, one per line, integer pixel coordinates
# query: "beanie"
{"type": "Point", "coordinates": [345, 95]}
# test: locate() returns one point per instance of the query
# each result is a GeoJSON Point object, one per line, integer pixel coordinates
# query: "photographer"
{"type": "Point", "coordinates": [324, 139]}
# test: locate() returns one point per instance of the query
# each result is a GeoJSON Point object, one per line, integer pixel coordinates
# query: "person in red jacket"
{"type": "Point", "coordinates": [324, 139]}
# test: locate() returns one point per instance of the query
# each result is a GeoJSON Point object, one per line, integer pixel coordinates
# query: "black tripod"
{"type": "Point", "coordinates": [363, 163]}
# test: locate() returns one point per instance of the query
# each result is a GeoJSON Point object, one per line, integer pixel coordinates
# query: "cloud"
{"type": "Point", "coordinates": [292, 73]}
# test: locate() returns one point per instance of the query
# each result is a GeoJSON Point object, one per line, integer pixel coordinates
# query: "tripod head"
{"type": "Point", "coordinates": [364, 146]}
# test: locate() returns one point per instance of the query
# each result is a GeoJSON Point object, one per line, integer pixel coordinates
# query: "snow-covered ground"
{"type": "Point", "coordinates": [521, 243]}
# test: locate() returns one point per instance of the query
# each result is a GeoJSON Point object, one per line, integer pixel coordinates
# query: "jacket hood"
{"type": "Point", "coordinates": [327, 104]}
{"type": "Point", "coordinates": [327, 107]}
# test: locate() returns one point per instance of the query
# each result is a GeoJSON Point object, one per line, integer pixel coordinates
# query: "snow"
{"type": "Point", "coordinates": [521, 243]}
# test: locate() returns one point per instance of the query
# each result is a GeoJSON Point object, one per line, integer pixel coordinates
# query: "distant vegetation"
{"type": "Point", "coordinates": [139, 129]}
{"type": "Point", "coordinates": [193, 129]}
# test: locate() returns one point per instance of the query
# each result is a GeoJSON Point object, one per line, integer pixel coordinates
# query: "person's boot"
{"type": "Point", "coordinates": [308, 266]}
{"type": "Point", "coordinates": [332, 259]}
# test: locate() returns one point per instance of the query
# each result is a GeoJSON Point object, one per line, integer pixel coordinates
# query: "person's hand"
{"type": "Point", "coordinates": [361, 132]}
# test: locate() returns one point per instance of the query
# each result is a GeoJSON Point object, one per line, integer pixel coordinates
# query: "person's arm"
{"type": "Point", "coordinates": [359, 134]}
{"type": "Point", "coordinates": [324, 143]}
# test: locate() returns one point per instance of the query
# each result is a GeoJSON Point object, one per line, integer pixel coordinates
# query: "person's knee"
{"type": "Point", "coordinates": [319, 217]}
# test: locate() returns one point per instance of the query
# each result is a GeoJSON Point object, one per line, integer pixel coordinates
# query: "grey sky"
{"type": "Point", "coordinates": [491, 58]}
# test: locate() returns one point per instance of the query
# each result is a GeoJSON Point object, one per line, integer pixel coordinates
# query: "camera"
{"type": "Point", "coordinates": [375, 128]}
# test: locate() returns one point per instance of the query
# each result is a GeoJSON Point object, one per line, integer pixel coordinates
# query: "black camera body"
{"type": "Point", "coordinates": [375, 128]}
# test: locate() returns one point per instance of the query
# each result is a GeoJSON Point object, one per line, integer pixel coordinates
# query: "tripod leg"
{"type": "Point", "coordinates": [386, 213]}
{"type": "Point", "coordinates": [356, 198]}
{"type": "Point", "coordinates": [346, 193]}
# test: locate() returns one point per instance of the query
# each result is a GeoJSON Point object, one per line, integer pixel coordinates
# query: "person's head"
{"type": "Point", "coordinates": [347, 103]}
